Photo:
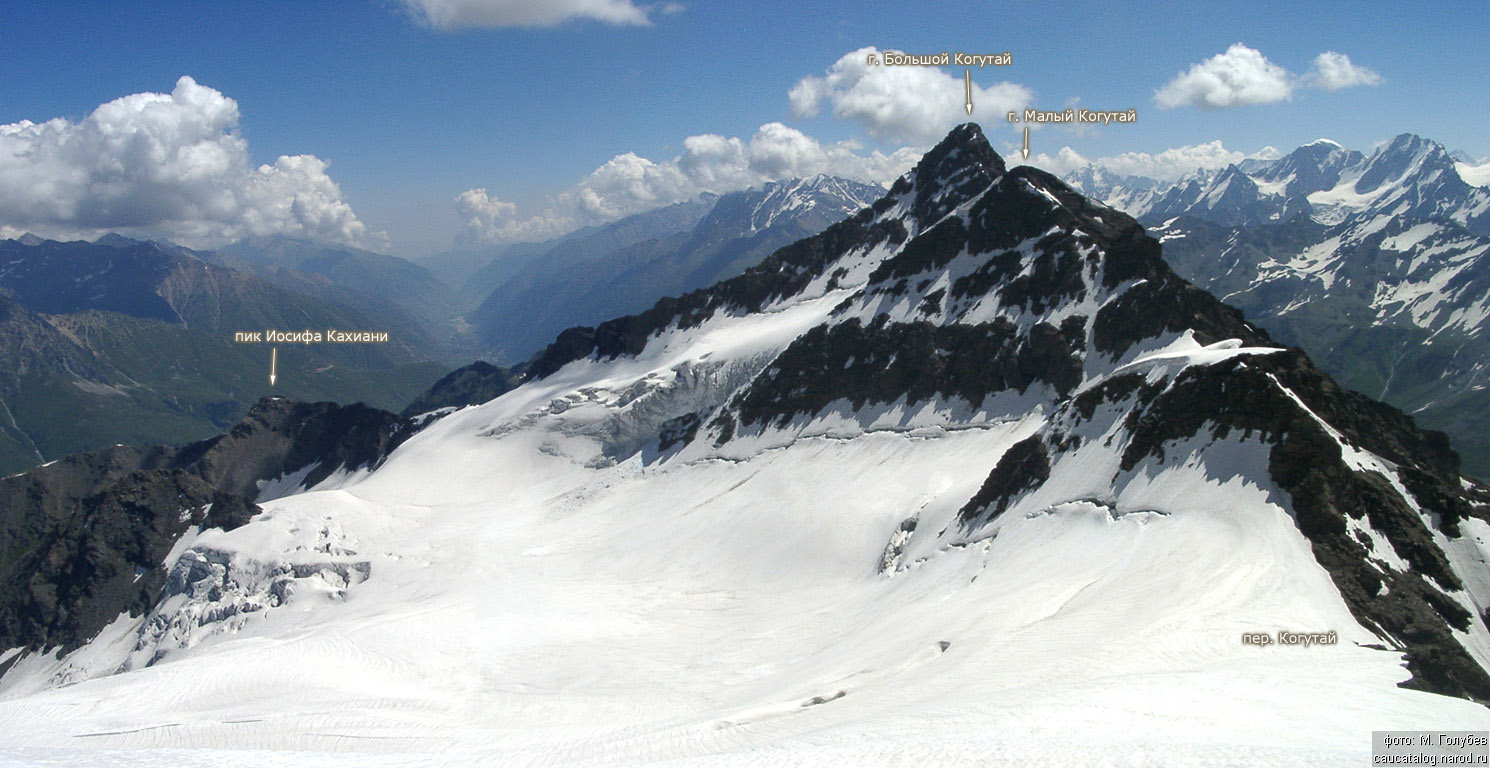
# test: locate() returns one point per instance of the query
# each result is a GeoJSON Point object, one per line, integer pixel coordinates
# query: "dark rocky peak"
{"type": "Point", "coordinates": [1181, 197]}
{"type": "Point", "coordinates": [1071, 242]}
{"type": "Point", "coordinates": [280, 437]}
{"type": "Point", "coordinates": [958, 168]}
{"type": "Point", "coordinates": [1002, 300]}
{"type": "Point", "coordinates": [1234, 198]}
{"type": "Point", "coordinates": [116, 240]}
{"type": "Point", "coordinates": [1232, 175]}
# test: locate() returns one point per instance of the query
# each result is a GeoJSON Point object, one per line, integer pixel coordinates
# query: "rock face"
{"type": "Point", "coordinates": [1375, 265]}
{"type": "Point", "coordinates": [282, 437]}
{"type": "Point", "coordinates": [1364, 483]}
{"type": "Point", "coordinates": [85, 538]}
{"type": "Point", "coordinates": [474, 384]}
{"type": "Point", "coordinates": [993, 290]}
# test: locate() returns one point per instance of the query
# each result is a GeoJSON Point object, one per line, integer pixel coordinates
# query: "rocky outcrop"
{"type": "Point", "coordinates": [84, 539]}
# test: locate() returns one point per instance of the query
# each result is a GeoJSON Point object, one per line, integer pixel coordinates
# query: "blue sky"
{"type": "Point", "coordinates": [410, 113]}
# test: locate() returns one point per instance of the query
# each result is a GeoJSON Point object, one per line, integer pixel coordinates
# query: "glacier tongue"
{"type": "Point", "coordinates": [522, 607]}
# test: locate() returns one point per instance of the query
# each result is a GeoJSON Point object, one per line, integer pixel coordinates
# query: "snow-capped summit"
{"type": "Point", "coordinates": [1373, 264]}
{"type": "Point", "coordinates": [796, 201]}
{"type": "Point", "coordinates": [1408, 176]}
{"type": "Point", "coordinates": [939, 482]}
{"type": "Point", "coordinates": [1313, 167]}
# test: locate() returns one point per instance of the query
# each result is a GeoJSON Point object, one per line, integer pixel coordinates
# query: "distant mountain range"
{"type": "Point", "coordinates": [971, 450]}
{"type": "Point", "coordinates": [629, 264]}
{"type": "Point", "coordinates": [128, 341]}
{"type": "Point", "coordinates": [1378, 265]}
{"type": "Point", "coordinates": [123, 341]}
{"type": "Point", "coordinates": [410, 287]}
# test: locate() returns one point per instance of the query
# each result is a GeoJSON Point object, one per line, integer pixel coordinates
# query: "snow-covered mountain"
{"type": "Point", "coordinates": [626, 266]}
{"type": "Point", "coordinates": [969, 477]}
{"type": "Point", "coordinates": [1408, 177]}
{"type": "Point", "coordinates": [1376, 265]}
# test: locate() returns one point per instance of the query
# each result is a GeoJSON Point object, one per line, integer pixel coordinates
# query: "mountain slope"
{"type": "Point", "coordinates": [129, 342]}
{"type": "Point", "coordinates": [969, 477]}
{"type": "Point", "coordinates": [1374, 265]}
{"type": "Point", "coordinates": [410, 287]}
{"type": "Point", "coordinates": [1395, 307]}
{"type": "Point", "coordinates": [1054, 313]}
{"type": "Point", "coordinates": [82, 538]}
{"type": "Point", "coordinates": [626, 266]}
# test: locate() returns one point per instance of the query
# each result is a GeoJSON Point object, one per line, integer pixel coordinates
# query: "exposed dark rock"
{"type": "Point", "coordinates": [474, 384]}
{"type": "Point", "coordinates": [83, 539]}
{"type": "Point", "coordinates": [104, 557]}
{"type": "Point", "coordinates": [280, 436]}
{"type": "Point", "coordinates": [885, 361]}
{"type": "Point", "coordinates": [1245, 397]}
{"type": "Point", "coordinates": [1022, 468]}
{"type": "Point", "coordinates": [678, 431]}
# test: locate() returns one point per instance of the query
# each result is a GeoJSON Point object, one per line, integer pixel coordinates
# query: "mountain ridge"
{"type": "Point", "coordinates": [1371, 263]}
{"type": "Point", "coordinates": [1080, 249]}
{"type": "Point", "coordinates": [975, 447]}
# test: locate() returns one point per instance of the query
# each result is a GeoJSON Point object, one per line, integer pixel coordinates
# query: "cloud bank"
{"type": "Point", "coordinates": [902, 103]}
{"type": "Point", "coordinates": [468, 14]}
{"type": "Point", "coordinates": [628, 183]}
{"type": "Point", "coordinates": [170, 165]}
{"type": "Point", "coordinates": [1168, 165]}
{"type": "Point", "coordinates": [1242, 76]}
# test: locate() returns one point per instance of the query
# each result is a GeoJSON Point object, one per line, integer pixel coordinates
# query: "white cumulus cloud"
{"type": "Point", "coordinates": [1237, 77]}
{"type": "Point", "coordinates": [466, 14]}
{"type": "Point", "coordinates": [904, 103]}
{"type": "Point", "coordinates": [628, 183]}
{"type": "Point", "coordinates": [1064, 161]}
{"type": "Point", "coordinates": [170, 165]}
{"type": "Point", "coordinates": [1168, 165]}
{"type": "Point", "coordinates": [1242, 76]}
{"type": "Point", "coordinates": [1333, 71]}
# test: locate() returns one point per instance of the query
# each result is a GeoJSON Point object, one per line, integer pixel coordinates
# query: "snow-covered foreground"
{"type": "Point", "coordinates": [531, 583]}
{"type": "Point", "coordinates": [522, 608]}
